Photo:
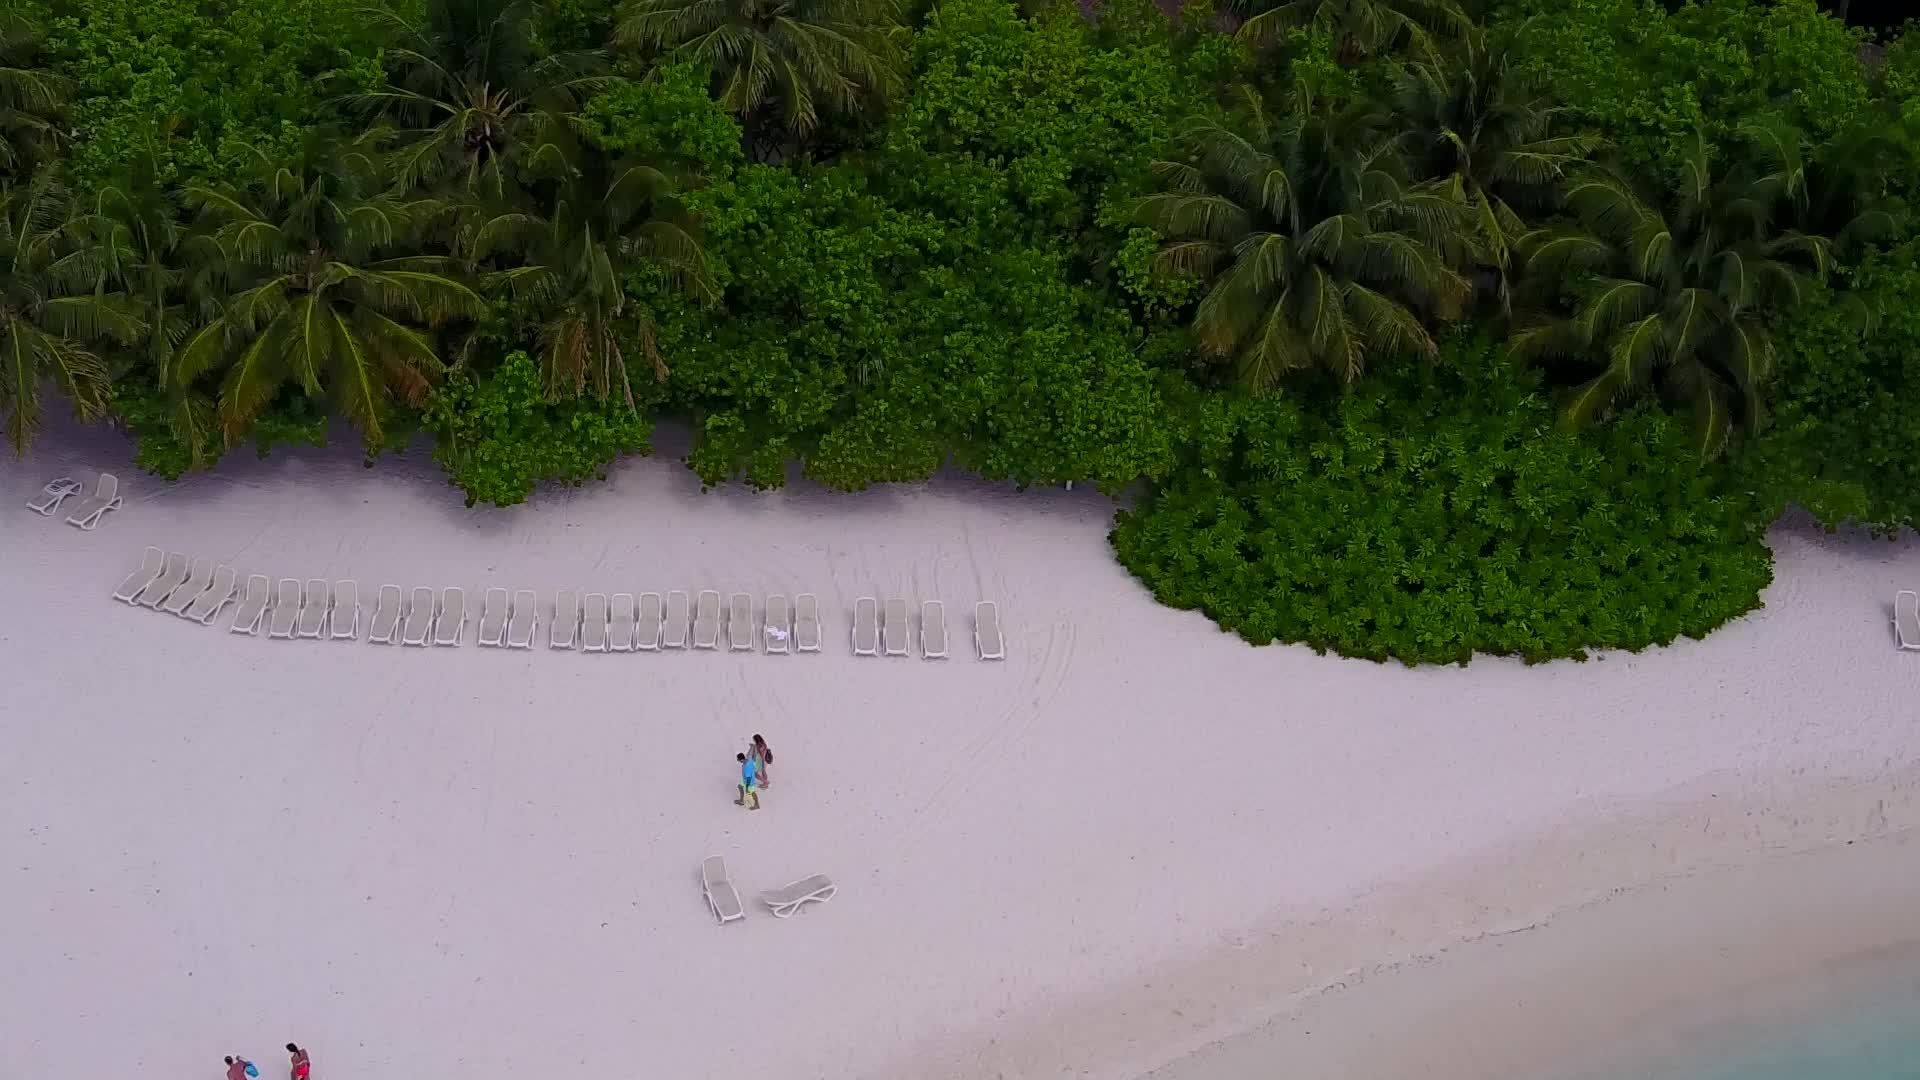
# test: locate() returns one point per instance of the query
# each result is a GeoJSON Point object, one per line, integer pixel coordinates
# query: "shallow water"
{"type": "Point", "coordinates": [1857, 1024]}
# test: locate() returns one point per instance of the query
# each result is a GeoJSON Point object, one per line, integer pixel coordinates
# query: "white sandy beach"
{"type": "Point", "coordinates": [1135, 838]}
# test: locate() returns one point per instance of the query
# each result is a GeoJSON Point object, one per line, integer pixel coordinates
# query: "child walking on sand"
{"type": "Point", "coordinates": [762, 757]}
{"type": "Point", "coordinates": [749, 782]}
{"type": "Point", "coordinates": [302, 1067]}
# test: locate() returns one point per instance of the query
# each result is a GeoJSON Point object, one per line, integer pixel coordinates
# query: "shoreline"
{"type": "Point", "coordinates": [474, 856]}
{"type": "Point", "coordinates": [1359, 971]}
{"type": "Point", "coordinates": [1611, 981]}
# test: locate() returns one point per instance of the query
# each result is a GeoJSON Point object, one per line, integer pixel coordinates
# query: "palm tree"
{"type": "Point", "coordinates": [569, 255]}
{"type": "Point", "coordinates": [1315, 248]}
{"type": "Point", "coordinates": [321, 291]}
{"type": "Point", "coordinates": [31, 97]}
{"type": "Point", "coordinates": [1476, 117]}
{"type": "Point", "coordinates": [1360, 28]}
{"type": "Point", "coordinates": [1673, 289]}
{"type": "Point", "coordinates": [139, 244]}
{"type": "Point", "coordinates": [1840, 189]}
{"type": "Point", "coordinates": [50, 313]}
{"type": "Point", "coordinates": [469, 81]}
{"type": "Point", "coordinates": [799, 57]}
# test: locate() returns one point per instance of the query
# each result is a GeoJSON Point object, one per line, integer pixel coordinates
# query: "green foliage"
{"type": "Point", "coordinates": [1674, 290]}
{"type": "Point", "coordinates": [200, 84]}
{"type": "Point", "coordinates": [1846, 439]}
{"type": "Point", "coordinates": [498, 435]}
{"type": "Point", "coordinates": [1427, 518]}
{"type": "Point", "coordinates": [1061, 117]}
{"type": "Point", "coordinates": [1648, 79]}
{"type": "Point", "coordinates": [1318, 248]}
{"type": "Point", "coordinates": [787, 65]}
{"type": "Point", "coordinates": [325, 296]}
{"type": "Point", "coordinates": [53, 313]}
{"type": "Point", "coordinates": [668, 116]}
{"type": "Point", "coordinates": [872, 341]}
{"type": "Point", "coordinates": [147, 414]}
{"type": "Point", "coordinates": [33, 98]}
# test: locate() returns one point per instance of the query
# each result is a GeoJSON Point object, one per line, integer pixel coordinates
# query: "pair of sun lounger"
{"type": "Point", "coordinates": [885, 628]}
{"type": "Point", "coordinates": [88, 512]}
{"type": "Point", "coordinates": [724, 900]}
{"type": "Point", "coordinates": [650, 622]}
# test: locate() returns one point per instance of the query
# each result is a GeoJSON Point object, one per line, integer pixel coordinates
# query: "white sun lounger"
{"type": "Point", "coordinates": [253, 607]}
{"type": "Point", "coordinates": [986, 631]}
{"type": "Point", "coordinates": [706, 620]}
{"type": "Point", "coordinates": [674, 633]}
{"type": "Point", "coordinates": [806, 623]}
{"type": "Point", "coordinates": [894, 631]}
{"type": "Point", "coordinates": [197, 582]}
{"type": "Point", "coordinates": [779, 626]}
{"type": "Point", "coordinates": [722, 899]}
{"type": "Point", "coordinates": [286, 609]}
{"type": "Point", "coordinates": [563, 631]}
{"type": "Point", "coordinates": [313, 612]}
{"type": "Point", "coordinates": [151, 564]}
{"type": "Point", "coordinates": [933, 630]}
{"type": "Point", "coordinates": [343, 619]}
{"type": "Point", "coordinates": [620, 623]}
{"type": "Point", "coordinates": [170, 578]}
{"type": "Point", "coordinates": [387, 607]}
{"type": "Point", "coordinates": [740, 627]}
{"type": "Point", "coordinates": [593, 624]}
{"type": "Point", "coordinates": [451, 624]}
{"type": "Point", "coordinates": [646, 633]}
{"type": "Point", "coordinates": [47, 503]}
{"type": "Point", "coordinates": [417, 628]}
{"type": "Point", "coordinates": [106, 496]}
{"type": "Point", "coordinates": [493, 618]}
{"type": "Point", "coordinates": [866, 626]}
{"type": "Point", "coordinates": [1906, 619]}
{"type": "Point", "coordinates": [524, 620]}
{"type": "Point", "coordinates": [206, 606]}
{"type": "Point", "coordinates": [789, 898]}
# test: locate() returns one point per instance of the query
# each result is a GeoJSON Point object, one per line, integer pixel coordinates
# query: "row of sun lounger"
{"type": "Point", "coordinates": [649, 622]}
{"type": "Point", "coordinates": [623, 623]}
{"type": "Point", "coordinates": [199, 590]}
{"type": "Point", "coordinates": [88, 512]}
{"type": "Point", "coordinates": [424, 616]}
{"type": "Point", "coordinates": [786, 901]}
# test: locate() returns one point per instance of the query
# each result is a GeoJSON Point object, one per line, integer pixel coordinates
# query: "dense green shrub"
{"type": "Point", "coordinates": [1845, 443]}
{"type": "Point", "coordinates": [497, 436]}
{"type": "Point", "coordinates": [1426, 517]}
{"type": "Point", "coordinates": [197, 83]}
{"type": "Point", "coordinates": [1648, 78]}
{"type": "Point", "coordinates": [871, 342]}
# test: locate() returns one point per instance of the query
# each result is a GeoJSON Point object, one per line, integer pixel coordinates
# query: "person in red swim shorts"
{"type": "Point", "coordinates": [302, 1068]}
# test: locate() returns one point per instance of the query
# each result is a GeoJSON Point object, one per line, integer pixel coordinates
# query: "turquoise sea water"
{"type": "Point", "coordinates": [1858, 1027]}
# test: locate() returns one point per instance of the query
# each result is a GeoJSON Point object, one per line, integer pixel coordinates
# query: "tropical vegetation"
{"type": "Point", "coordinates": [1403, 328]}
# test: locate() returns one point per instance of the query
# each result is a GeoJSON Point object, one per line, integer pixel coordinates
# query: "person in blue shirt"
{"type": "Point", "coordinates": [749, 782]}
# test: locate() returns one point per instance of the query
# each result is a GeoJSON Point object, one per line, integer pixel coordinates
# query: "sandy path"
{"type": "Point", "coordinates": [472, 857]}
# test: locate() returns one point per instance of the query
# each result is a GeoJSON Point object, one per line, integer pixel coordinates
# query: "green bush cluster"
{"type": "Point", "coordinates": [1429, 516]}
{"type": "Point", "coordinates": [498, 435]}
